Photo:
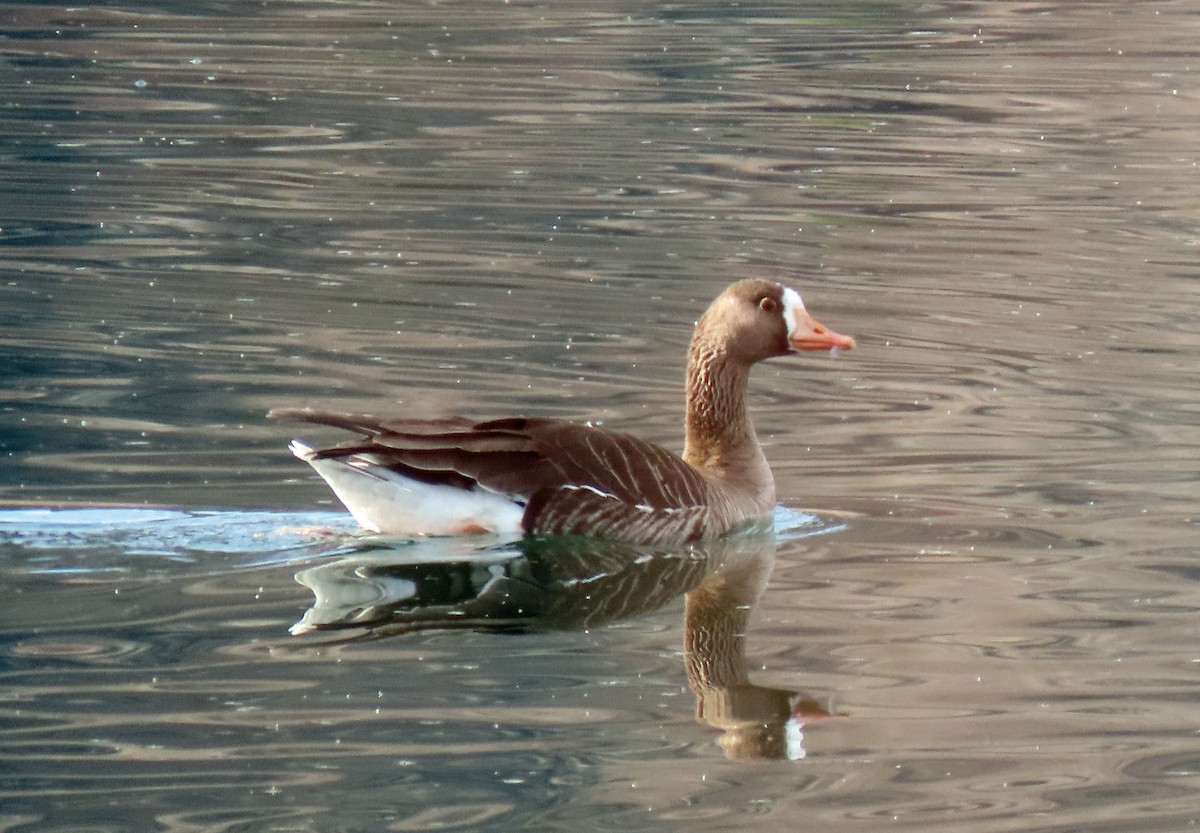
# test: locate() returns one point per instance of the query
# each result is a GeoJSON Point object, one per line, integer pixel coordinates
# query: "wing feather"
{"type": "Point", "coordinates": [573, 478]}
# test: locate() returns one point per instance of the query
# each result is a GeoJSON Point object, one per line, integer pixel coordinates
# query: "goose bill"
{"type": "Point", "coordinates": [807, 333]}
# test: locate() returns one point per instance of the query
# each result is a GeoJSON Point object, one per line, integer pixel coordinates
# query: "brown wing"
{"type": "Point", "coordinates": [573, 478]}
{"type": "Point", "coordinates": [615, 486]}
{"type": "Point", "coordinates": [626, 467]}
{"type": "Point", "coordinates": [453, 452]}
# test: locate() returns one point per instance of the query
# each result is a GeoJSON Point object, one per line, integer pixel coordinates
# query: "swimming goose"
{"type": "Point", "coordinates": [532, 476]}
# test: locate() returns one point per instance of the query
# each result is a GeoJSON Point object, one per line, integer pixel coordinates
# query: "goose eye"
{"type": "Point", "coordinates": [768, 304]}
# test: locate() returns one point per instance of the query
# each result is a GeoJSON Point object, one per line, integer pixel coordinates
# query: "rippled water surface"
{"type": "Point", "coordinates": [979, 609]}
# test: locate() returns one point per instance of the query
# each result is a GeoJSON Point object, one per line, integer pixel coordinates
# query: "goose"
{"type": "Point", "coordinates": [521, 476]}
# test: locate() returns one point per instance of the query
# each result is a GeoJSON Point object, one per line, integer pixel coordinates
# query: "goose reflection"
{"type": "Point", "coordinates": [569, 582]}
{"type": "Point", "coordinates": [756, 721]}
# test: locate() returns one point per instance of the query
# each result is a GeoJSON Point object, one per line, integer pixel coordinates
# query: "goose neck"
{"type": "Point", "coordinates": [719, 431]}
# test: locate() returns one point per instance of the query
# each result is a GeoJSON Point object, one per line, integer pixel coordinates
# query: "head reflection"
{"type": "Point", "coordinates": [756, 721]}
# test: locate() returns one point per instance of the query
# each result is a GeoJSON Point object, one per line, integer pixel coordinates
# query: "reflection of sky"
{"type": "Point", "coordinates": [112, 538]}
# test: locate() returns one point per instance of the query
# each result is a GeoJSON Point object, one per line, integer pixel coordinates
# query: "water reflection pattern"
{"type": "Point", "coordinates": [213, 208]}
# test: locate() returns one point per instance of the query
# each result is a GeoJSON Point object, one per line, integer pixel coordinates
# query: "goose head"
{"type": "Point", "coordinates": [755, 320]}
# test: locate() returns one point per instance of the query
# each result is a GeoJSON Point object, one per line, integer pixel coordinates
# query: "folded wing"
{"type": "Point", "coordinates": [570, 478]}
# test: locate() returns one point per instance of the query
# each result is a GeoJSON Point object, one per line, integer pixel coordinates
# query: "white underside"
{"type": "Point", "coordinates": [386, 502]}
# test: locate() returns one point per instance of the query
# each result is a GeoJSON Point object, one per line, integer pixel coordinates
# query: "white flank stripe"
{"type": "Point", "coordinates": [384, 501]}
{"type": "Point", "coordinates": [575, 488]}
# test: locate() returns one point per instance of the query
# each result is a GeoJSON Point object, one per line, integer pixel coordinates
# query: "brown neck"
{"type": "Point", "coordinates": [720, 437]}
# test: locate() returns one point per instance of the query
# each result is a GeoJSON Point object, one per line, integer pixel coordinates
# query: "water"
{"type": "Point", "coordinates": [213, 209]}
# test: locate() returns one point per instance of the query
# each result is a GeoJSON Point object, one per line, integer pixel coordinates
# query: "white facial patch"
{"type": "Point", "coordinates": [792, 304]}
